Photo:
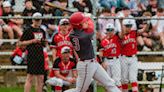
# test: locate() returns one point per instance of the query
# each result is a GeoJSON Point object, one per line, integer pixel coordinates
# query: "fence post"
{"type": "Point", "coordinates": [162, 75]}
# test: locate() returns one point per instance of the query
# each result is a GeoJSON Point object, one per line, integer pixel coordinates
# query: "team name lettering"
{"type": "Point", "coordinates": [64, 43]}
{"type": "Point", "coordinates": [128, 41]}
{"type": "Point", "coordinates": [110, 46]}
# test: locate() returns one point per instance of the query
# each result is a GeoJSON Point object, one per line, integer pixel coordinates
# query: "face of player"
{"type": "Point", "coordinates": [64, 28]}
{"type": "Point", "coordinates": [7, 9]}
{"type": "Point", "coordinates": [110, 32]}
{"type": "Point", "coordinates": [128, 28]}
{"type": "Point", "coordinates": [65, 57]}
{"type": "Point", "coordinates": [37, 22]}
{"type": "Point", "coordinates": [84, 25]}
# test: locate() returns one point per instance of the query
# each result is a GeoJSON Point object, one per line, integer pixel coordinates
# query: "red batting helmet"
{"type": "Point", "coordinates": [76, 18]}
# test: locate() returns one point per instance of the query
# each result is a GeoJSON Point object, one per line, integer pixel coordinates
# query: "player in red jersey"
{"type": "Point", "coordinates": [63, 67]}
{"type": "Point", "coordinates": [129, 61]}
{"type": "Point", "coordinates": [61, 39]}
{"type": "Point", "coordinates": [111, 51]}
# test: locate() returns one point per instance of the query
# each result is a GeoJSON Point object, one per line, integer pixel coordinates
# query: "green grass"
{"type": "Point", "coordinates": [20, 89]}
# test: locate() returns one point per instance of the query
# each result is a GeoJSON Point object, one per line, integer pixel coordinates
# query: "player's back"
{"type": "Point", "coordinates": [81, 41]}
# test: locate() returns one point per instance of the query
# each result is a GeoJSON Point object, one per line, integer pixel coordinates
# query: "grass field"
{"type": "Point", "coordinates": [20, 89]}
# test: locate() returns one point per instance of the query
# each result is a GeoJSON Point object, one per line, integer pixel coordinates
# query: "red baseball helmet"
{"type": "Point", "coordinates": [76, 18]}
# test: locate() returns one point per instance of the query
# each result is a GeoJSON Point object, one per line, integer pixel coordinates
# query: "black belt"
{"type": "Point", "coordinates": [85, 60]}
{"type": "Point", "coordinates": [129, 56]}
{"type": "Point", "coordinates": [113, 57]}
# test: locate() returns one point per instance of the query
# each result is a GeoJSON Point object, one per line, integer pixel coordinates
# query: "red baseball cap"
{"type": "Point", "coordinates": [77, 18]}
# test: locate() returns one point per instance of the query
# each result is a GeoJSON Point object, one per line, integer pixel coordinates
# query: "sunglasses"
{"type": "Point", "coordinates": [128, 26]}
{"type": "Point", "coordinates": [109, 29]}
{"type": "Point", "coordinates": [65, 24]}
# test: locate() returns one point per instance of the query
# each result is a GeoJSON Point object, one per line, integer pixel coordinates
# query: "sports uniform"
{"type": "Point", "coordinates": [111, 51]}
{"type": "Point", "coordinates": [60, 40]}
{"type": "Point", "coordinates": [66, 70]}
{"type": "Point", "coordinates": [129, 60]}
{"type": "Point", "coordinates": [87, 67]}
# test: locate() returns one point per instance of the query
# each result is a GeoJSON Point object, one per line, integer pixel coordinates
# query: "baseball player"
{"type": "Point", "coordinates": [87, 67]}
{"type": "Point", "coordinates": [129, 60]}
{"type": "Point", "coordinates": [61, 39]}
{"type": "Point", "coordinates": [111, 51]}
{"type": "Point", "coordinates": [62, 68]}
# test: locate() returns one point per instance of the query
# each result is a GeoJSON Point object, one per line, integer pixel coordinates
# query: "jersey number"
{"type": "Point", "coordinates": [76, 44]}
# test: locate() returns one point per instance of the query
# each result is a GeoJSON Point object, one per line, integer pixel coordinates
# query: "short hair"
{"type": "Point", "coordinates": [106, 10]}
{"type": "Point", "coordinates": [160, 10]}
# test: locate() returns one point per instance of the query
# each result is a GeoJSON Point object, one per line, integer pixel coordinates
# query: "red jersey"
{"type": "Point", "coordinates": [64, 69]}
{"type": "Point", "coordinates": [59, 41]}
{"type": "Point", "coordinates": [129, 44]}
{"type": "Point", "coordinates": [111, 46]}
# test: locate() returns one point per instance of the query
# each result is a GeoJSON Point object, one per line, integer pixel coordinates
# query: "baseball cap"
{"type": "Point", "coordinates": [6, 4]}
{"type": "Point", "coordinates": [110, 27]}
{"type": "Point", "coordinates": [64, 22]}
{"type": "Point", "coordinates": [37, 14]}
{"type": "Point", "coordinates": [127, 22]}
{"type": "Point", "coordinates": [65, 49]}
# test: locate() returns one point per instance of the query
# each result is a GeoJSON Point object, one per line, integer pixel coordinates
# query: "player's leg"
{"type": "Point", "coordinates": [39, 83]}
{"type": "Point", "coordinates": [102, 76]}
{"type": "Point", "coordinates": [85, 70]}
{"type": "Point", "coordinates": [116, 73]}
{"type": "Point", "coordinates": [56, 82]}
{"type": "Point", "coordinates": [124, 73]}
{"type": "Point", "coordinates": [133, 70]}
{"type": "Point", "coordinates": [28, 84]}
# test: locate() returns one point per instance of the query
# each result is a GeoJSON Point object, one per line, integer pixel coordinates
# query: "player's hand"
{"type": "Point", "coordinates": [36, 41]}
{"type": "Point", "coordinates": [71, 80]}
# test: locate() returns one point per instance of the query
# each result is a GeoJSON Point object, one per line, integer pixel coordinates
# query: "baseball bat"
{"type": "Point", "coordinates": [59, 7]}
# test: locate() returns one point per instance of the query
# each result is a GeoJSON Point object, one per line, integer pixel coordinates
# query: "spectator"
{"type": "Point", "coordinates": [152, 7]}
{"type": "Point", "coordinates": [48, 24]}
{"type": "Point", "coordinates": [161, 4]}
{"type": "Point", "coordinates": [103, 22]}
{"type": "Point", "coordinates": [34, 39]}
{"type": "Point", "coordinates": [145, 38]}
{"type": "Point", "coordinates": [112, 3]}
{"type": "Point", "coordinates": [38, 4]}
{"type": "Point", "coordinates": [81, 5]}
{"type": "Point", "coordinates": [61, 39]}
{"type": "Point", "coordinates": [13, 23]}
{"type": "Point", "coordinates": [62, 68]}
{"type": "Point", "coordinates": [28, 11]}
{"type": "Point", "coordinates": [19, 56]}
{"type": "Point", "coordinates": [3, 25]}
{"type": "Point", "coordinates": [158, 26]}
{"type": "Point", "coordinates": [125, 13]}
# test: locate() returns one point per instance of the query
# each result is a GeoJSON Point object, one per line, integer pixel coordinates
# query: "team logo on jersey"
{"type": "Point", "coordinates": [38, 35]}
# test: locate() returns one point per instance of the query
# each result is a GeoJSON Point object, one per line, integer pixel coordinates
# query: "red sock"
{"type": "Point", "coordinates": [134, 87]}
{"type": "Point", "coordinates": [58, 88]}
{"type": "Point", "coordinates": [124, 87]}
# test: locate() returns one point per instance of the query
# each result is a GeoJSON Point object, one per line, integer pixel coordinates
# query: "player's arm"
{"type": "Point", "coordinates": [26, 39]}
{"type": "Point", "coordinates": [122, 33]}
{"type": "Point", "coordinates": [54, 51]}
{"type": "Point", "coordinates": [58, 75]}
{"type": "Point", "coordinates": [53, 47]}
